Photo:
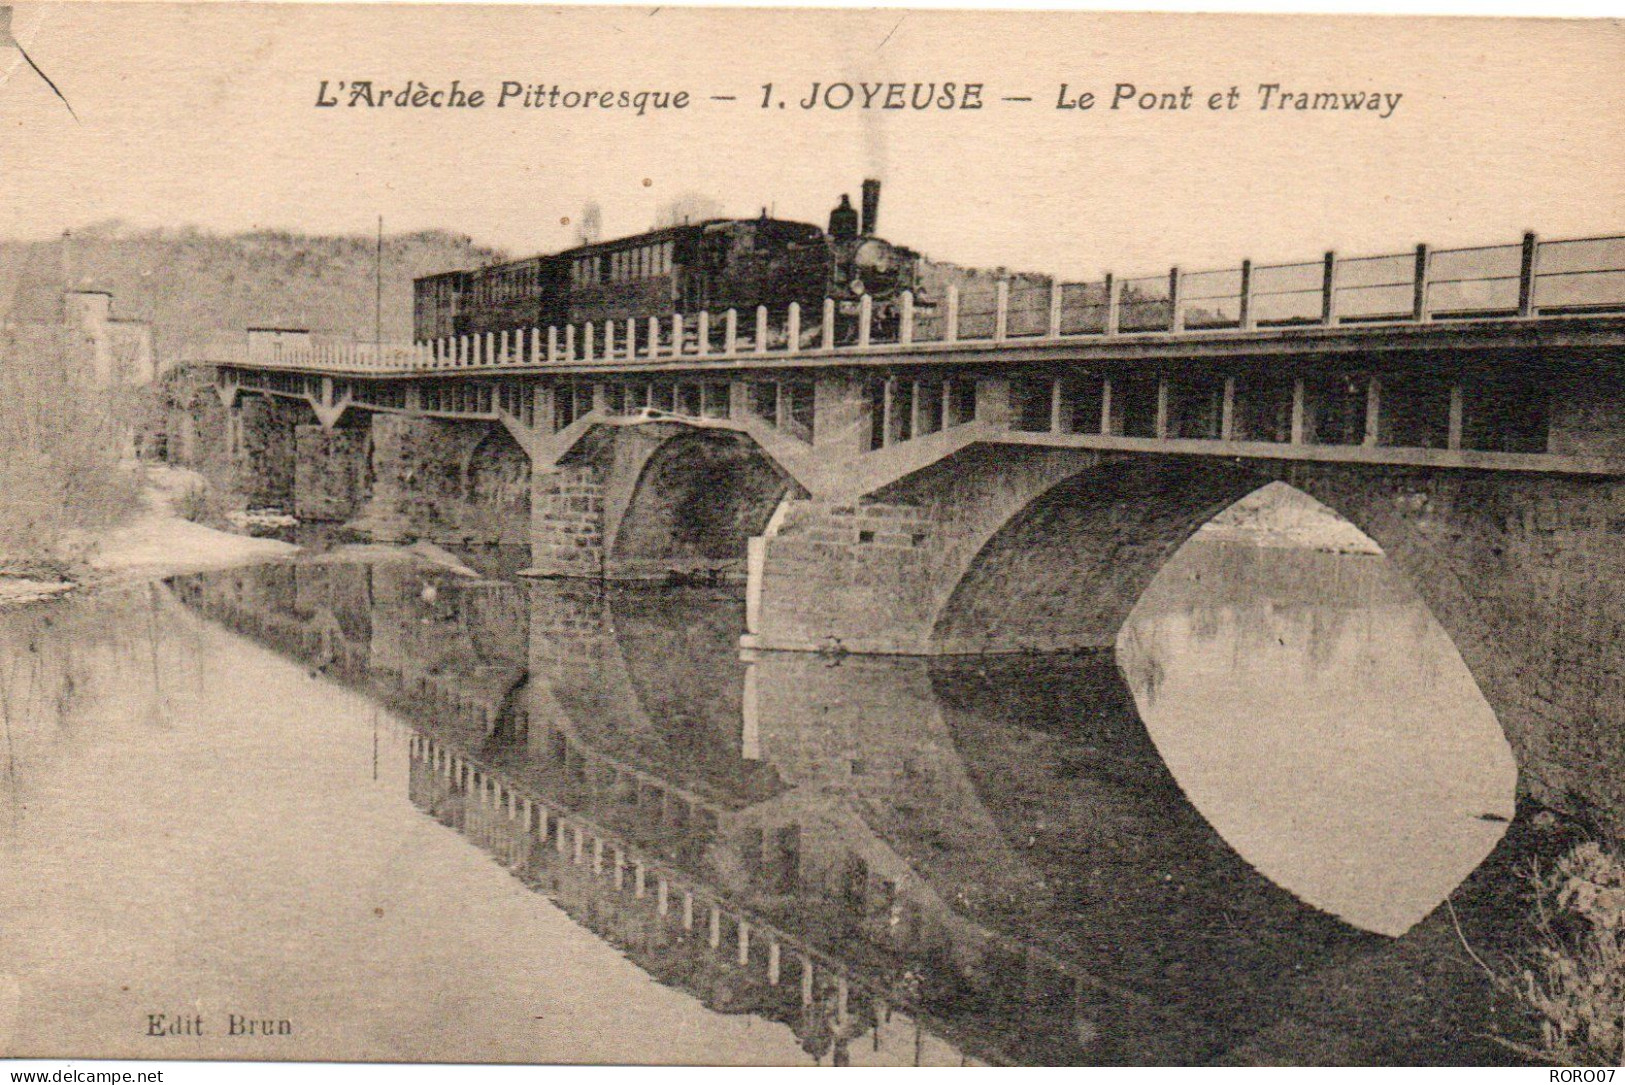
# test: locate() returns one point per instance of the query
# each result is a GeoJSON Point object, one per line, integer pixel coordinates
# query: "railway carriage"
{"type": "Point", "coordinates": [709, 266]}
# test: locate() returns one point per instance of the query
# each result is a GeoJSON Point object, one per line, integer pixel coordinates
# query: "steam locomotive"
{"type": "Point", "coordinates": [714, 265]}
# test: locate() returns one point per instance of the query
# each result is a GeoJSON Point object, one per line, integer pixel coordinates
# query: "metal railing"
{"type": "Point", "coordinates": [1530, 279]}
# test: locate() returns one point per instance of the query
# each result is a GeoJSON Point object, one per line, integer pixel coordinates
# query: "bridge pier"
{"type": "Point", "coordinates": [567, 522]}
{"type": "Point", "coordinates": [872, 575]}
{"type": "Point", "coordinates": [331, 470]}
{"type": "Point", "coordinates": [261, 436]}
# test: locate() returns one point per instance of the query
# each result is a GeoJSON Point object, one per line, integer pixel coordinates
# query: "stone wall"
{"type": "Point", "coordinates": [1522, 571]}
{"type": "Point", "coordinates": [429, 483]}
{"type": "Point", "coordinates": [263, 455]}
{"type": "Point", "coordinates": [567, 522]}
{"type": "Point", "coordinates": [862, 578]}
{"type": "Point", "coordinates": [331, 480]}
{"type": "Point", "coordinates": [871, 576]}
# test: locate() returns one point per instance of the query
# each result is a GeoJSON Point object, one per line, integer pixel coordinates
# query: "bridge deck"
{"type": "Point", "coordinates": [1501, 358]}
{"type": "Point", "coordinates": [1532, 294]}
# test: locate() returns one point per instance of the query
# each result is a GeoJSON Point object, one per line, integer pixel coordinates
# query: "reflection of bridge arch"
{"type": "Point", "coordinates": [1140, 884]}
{"type": "Point", "coordinates": [834, 804]}
{"type": "Point", "coordinates": [643, 683]}
{"type": "Point", "coordinates": [1031, 846]}
{"type": "Point", "coordinates": [826, 809]}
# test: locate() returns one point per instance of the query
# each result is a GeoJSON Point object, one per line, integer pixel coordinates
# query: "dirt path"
{"type": "Point", "coordinates": [156, 543]}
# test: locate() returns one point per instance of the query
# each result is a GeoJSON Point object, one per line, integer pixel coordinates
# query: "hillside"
{"type": "Point", "coordinates": [199, 288]}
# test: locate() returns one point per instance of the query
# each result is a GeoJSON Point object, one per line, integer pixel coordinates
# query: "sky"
{"type": "Point", "coordinates": [205, 115]}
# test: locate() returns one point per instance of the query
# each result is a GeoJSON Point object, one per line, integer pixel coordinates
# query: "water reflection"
{"type": "Point", "coordinates": [1315, 712]}
{"type": "Point", "coordinates": [196, 826]}
{"type": "Point", "coordinates": [894, 859]}
{"type": "Point", "coordinates": [995, 845]}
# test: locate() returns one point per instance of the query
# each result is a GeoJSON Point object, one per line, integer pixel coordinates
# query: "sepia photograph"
{"type": "Point", "coordinates": [767, 537]}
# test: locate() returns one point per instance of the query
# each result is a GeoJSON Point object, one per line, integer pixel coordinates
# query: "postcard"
{"type": "Point", "coordinates": [768, 537]}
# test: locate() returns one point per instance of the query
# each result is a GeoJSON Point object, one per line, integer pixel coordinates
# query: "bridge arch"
{"type": "Point", "coordinates": [1064, 570]}
{"type": "Point", "coordinates": [691, 504]}
{"type": "Point", "coordinates": [496, 488]}
{"type": "Point", "coordinates": [1521, 572]}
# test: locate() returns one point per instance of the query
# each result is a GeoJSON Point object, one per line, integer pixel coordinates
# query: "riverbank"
{"type": "Point", "coordinates": [157, 542]}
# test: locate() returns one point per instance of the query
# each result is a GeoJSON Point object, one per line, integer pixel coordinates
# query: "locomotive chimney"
{"type": "Point", "coordinates": [870, 221]}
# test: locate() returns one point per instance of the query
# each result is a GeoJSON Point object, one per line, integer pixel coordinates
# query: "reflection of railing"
{"type": "Point", "coordinates": [1526, 280]}
{"type": "Point", "coordinates": [539, 840]}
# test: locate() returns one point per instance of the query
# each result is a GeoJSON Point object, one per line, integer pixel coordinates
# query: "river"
{"type": "Point", "coordinates": [384, 810]}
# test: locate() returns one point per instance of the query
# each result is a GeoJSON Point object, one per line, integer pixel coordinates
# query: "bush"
{"type": "Point", "coordinates": [60, 443]}
{"type": "Point", "coordinates": [1574, 974]}
{"type": "Point", "coordinates": [194, 504]}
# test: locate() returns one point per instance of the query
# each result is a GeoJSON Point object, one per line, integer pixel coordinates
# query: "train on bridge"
{"type": "Point", "coordinates": [713, 265]}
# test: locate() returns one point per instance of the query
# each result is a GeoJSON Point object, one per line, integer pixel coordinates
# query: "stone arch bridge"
{"type": "Point", "coordinates": [1015, 487]}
